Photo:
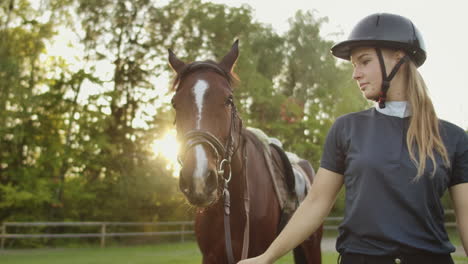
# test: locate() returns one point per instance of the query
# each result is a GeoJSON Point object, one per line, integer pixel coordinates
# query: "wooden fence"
{"type": "Point", "coordinates": [184, 228]}
{"type": "Point", "coordinates": [181, 231]}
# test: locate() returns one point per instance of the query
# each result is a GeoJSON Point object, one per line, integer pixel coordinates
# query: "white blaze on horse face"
{"type": "Point", "coordinates": [201, 167]}
{"type": "Point", "coordinates": [199, 91]}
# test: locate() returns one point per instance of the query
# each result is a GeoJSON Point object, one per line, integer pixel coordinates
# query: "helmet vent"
{"type": "Point", "coordinates": [377, 22]}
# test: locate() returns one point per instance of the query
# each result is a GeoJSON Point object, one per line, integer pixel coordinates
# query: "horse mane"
{"type": "Point", "coordinates": [207, 65]}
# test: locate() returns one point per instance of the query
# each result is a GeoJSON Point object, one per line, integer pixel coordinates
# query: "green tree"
{"type": "Point", "coordinates": [24, 182]}
{"type": "Point", "coordinates": [116, 165]}
{"type": "Point", "coordinates": [59, 153]}
{"type": "Point", "coordinates": [319, 87]}
{"type": "Point", "coordinates": [75, 144]}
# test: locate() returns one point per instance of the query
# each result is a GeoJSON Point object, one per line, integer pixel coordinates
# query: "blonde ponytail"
{"type": "Point", "coordinates": [423, 133]}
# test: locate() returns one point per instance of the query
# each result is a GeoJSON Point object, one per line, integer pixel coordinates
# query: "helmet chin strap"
{"type": "Point", "coordinates": [386, 79]}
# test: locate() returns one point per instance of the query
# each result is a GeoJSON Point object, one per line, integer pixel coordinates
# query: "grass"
{"type": "Point", "coordinates": [166, 253]}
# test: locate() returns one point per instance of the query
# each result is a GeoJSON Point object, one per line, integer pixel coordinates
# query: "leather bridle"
{"type": "Point", "coordinates": [223, 154]}
{"type": "Point", "coordinates": [196, 137]}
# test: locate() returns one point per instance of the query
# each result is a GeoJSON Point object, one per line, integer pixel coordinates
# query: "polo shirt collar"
{"type": "Point", "coordinates": [399, 109]}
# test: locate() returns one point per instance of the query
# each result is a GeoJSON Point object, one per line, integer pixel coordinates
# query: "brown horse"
{"type": "Point", "coordinates": [226, 172]}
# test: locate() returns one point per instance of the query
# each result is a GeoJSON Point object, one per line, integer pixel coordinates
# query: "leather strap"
{"type": "Point", "coordinates": [227, 225]}
{"type": "Point", "coordinates": [227, 212]}
{"type": "Point", "coordinates": [245, 244]}
{"type": "Point", "coordinates": [268, 160]}
{"type": "Point", "coordinates": [386, 79]}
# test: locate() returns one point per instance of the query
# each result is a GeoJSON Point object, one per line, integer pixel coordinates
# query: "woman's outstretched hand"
{"type": "Point", "coordinates": [256, 260]}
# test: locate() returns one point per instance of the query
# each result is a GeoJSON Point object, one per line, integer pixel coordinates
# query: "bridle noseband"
{"type": "Point", "coordinates": [223, 153]}
{"type": "Point", "coordinates": [196, 137]}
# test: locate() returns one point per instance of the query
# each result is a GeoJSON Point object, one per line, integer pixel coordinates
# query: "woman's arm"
{"type": "Point", "coordinates": [307, 218]}
{"type": "Point", "coordinates": [459, 194]}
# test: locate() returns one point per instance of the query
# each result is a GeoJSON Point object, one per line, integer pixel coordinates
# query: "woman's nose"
{"type": "Point", "coordinates": [356, 74]}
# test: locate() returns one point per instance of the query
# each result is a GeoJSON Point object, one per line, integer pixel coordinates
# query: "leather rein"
{"type": "Point", "coordinates": [223, 156]}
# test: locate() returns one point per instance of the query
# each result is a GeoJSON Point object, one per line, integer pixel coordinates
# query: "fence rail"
{"type": "Point", "coordinates": [103, 234]}
{"type": "Point", "coordinates": [331, 223]}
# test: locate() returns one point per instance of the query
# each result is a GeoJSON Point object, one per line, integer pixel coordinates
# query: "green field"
{"type": "Point", "coordinates": [169, 253]}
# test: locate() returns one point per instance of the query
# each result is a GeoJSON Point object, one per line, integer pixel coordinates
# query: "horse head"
{"type": "Point", "coordinates": [207, 125]}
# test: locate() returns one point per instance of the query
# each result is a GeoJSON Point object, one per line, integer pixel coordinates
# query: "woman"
{"type": "Point", "coordinates": [393, 212]}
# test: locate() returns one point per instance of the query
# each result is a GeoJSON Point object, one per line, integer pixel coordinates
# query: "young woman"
{"type": "Point", "coordinates": [396, 160]}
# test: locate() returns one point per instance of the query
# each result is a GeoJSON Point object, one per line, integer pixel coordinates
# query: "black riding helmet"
{"type": "Point", "coordinates": [383, 30]}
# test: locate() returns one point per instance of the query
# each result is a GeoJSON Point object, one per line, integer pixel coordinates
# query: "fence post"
{"type": "Point", "coordinates": [3, 236]}
{"type": "Point", "coordinates": [103, 235]}
{"type": "Point", "coordinates": [183, 230]}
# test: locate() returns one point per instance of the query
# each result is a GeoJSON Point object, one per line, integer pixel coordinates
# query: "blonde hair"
{"type": "Point", "coordinates": [423, 133]}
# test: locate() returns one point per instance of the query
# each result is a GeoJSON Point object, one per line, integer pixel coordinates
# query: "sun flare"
{"type": "Point", "coordinates": [168, 148]}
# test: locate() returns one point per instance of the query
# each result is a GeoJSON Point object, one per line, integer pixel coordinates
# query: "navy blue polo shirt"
{"type": "Point", "coordinates": [387, 212]}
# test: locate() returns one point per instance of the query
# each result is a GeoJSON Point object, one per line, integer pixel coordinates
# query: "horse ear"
{"type": "Point", "coordinates": [175, 63]}
{"type": "Point", "coordinates": [227, 63]}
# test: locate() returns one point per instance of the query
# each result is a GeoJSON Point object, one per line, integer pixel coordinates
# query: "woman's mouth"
{"type": "Point", "coordinates": [362, 86]}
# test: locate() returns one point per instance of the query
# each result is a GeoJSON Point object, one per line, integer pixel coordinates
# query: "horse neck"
{"type": "Point", "coordinates": [237, 183]}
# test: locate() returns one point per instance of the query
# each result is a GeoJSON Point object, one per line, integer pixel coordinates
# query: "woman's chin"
{"type": "Point", "coordinates": [370, 96]}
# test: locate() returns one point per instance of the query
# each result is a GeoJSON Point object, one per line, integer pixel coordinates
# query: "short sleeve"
{"type": "Point", "coordinates": [333, 157]}
{"type": "Point", "coordinates": [460, 162]}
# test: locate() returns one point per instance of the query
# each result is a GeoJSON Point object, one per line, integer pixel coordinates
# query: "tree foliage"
{"type": "Point", "coordinates": [75, 144]}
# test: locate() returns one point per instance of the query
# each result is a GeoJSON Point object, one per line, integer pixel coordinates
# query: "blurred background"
{"type": "Point", "coordinates": [86, 127]}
